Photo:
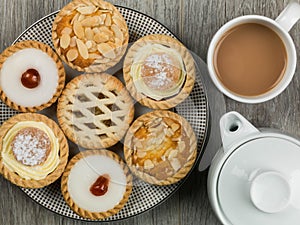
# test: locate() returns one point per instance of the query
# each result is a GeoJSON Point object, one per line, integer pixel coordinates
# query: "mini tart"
{"type": "Point", "coordinates": [34, 173]}
{"type": "Point", "coordinates": [160, 147]}
{"type": "Point", "coordinates": [90, 35]}
{"type": "Point", "coordinates": [95, 110]}
{"type": "Point", "coordinates": [103, 170]}
{"type": "Point", "coordinates": [159, 71]}
{"type": "Point", "coordinates": [31, 76]}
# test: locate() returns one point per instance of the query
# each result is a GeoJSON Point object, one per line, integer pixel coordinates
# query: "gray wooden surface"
{"type": "Point", "coordinates": [194, 22]}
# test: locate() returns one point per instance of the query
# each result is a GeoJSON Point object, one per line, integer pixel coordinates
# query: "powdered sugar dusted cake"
{"type": "Point", "coordinates": [33, 150]}
{"type": "Point", "coordinates": [31, 146]}
{"type": "Point", "coordinates": [159, 71]}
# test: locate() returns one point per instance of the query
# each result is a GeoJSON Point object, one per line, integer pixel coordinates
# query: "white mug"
{"type": "Point", "coordinates": [283, 23]}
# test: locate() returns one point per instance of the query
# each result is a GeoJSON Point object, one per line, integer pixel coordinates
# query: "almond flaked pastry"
{"type": "Point", "coordinates": [34, 151]}
{"type": "Point", "coordinates": [90, 20]}
{"type": "Point", "coordinates": [160, 147]}
{"type": "Point", "coordinates": [72, 54]}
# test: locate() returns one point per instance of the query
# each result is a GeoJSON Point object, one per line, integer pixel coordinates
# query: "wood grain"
{"type": "Point", "coordinates": [195, 23]}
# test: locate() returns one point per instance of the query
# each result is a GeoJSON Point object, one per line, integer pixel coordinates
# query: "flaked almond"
{"type": "Point", "coordinates": [78, 29]}
{"type": "Point", "coordinates": [89, 44]}
{"type": "Point", "coordinates": [118, 42]}
{"type": "Point", "coordinates": [118, 33]}
{"type": "Point", "coordinates": [175, 164]}
{"type": "Point", "coordinates": [108, 20]}
{"type": "Point", "coordinates": [83, 50]}
{"type": "Point", "coordinates": [65, 41]}
{"type": "Point", "coordinates": [101, 37]}
{"type": "Point", "coordinates": [141, 154]}
{"type": "Point", "coordinates": [73, 41]}
{"type": "Point", "coordinates": [75, 18]}
{"type": "Point", "coordinates": [66, 30]}
{"type": "Point", "coordinates": [89, 34]}
{"type": "Point", "coordinates": [106, 50]}
{"type": "Point", "coordinates": [175, 127]}
{"type": "Point", "coordinates": [96, 30]}
{"type": "Point", "coordinates": [81, 17]}
{"type": "Point", "coordinates": [116, 20]}
{"type": "Point", "coordinates": [172, 154]}
{"type": "Point", "coordinates": [139, 144]}
{"type": "Point", "coordinates": [94, 47]}
{"type": "Point", "coordinates": [181, 146]}
{"type": "Point", "coordinates": [90, 21]}
{"type": "Point", "coordinates": [168, 132]}
{"type": "Point", "coordinates": [148, 164]}
{"type": "Point", "coordinates": [101, 19]}
{"type": "Point", "coordinates": [86, 10]}
{"type": "Point", "coordinates": [72, 54]}
{"type": "Point", "coordinates": [105, 30]}
{"type": "Point", "coordinates": [94, 55]}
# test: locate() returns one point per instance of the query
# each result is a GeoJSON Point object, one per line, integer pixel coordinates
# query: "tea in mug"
{"type": "Point", "coordinates": [250, 59]}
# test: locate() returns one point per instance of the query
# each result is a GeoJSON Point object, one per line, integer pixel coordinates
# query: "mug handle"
{"type": "Point", "coordinates": [289, 16]}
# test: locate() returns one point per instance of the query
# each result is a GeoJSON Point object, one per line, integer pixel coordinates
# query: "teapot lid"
{"type": "Point", "coordinates": [259, 181]}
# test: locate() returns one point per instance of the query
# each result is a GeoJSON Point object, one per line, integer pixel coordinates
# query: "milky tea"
{"type": "Point", "coordinates": [250, 59]}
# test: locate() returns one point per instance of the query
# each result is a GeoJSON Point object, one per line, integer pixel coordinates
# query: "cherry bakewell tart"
{"type": "Point", "coordinates": [103, 190]}
{"type": "Point", "coordinates": [159, 71]}
{"type": "Point", "coordinates": [95, 110]}
{"type": "Point", "coordinates": [34, 151]}
{"type": "Point", "coordinates": [160, 147]}
{"type": "Point", "coordinates": [31, 76]}
{"type": "Point", "coordinates": [90, 35]}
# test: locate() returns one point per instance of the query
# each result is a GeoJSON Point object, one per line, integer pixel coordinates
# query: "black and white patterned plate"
{"type": "Point", "coordinates": [195, 109]}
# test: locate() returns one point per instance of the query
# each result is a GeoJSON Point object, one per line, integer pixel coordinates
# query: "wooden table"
{"type": "Point", "coordinates": [194, 22]}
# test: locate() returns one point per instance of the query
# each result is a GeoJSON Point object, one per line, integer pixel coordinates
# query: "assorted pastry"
{"type": "Point", "coordinates": [160, 147]}
{"type": "Point", "coordinates": [95, 110]}
{"type": "Point", "coordinates": [31, 76]}
{"type": "Point", "coordinates": [103, 190]}
{"type": "Point", "coordinates": [90, 35]}
{"type": "Point", "coordinates": [34, 151]}
{"type": "Point", "coordinates": [159, 71]}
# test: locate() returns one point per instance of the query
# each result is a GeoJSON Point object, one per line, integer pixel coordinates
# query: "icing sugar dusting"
{"type": "Point", "coordinates": [159, 72]}
{"type": "Point", "coordinates": [30, 146]}
{"type": "Point", "coordinates": [157, 60]}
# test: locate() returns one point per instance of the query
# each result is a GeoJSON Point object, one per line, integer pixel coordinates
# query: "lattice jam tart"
{"type": "Point", "coordinates": [95, 110]}
{"type": "Point", "coordinates": [159, 71]}
{"type": "Point", "coordinates": [90, 35]}
{"type": "Point", "coordinates": [34, 151]}
{"type": "Point", "coordinates": [160, 147]}
{"type": "Point", "coordinates": [103, 190]}
{"type": "Point", "coordinates": [31, 76]}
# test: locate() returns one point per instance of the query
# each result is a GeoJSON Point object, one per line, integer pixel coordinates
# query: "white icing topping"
{"type": "Point", "coordinates": [84, 174]}
{"type": "Point", "coordinates": [18, 63]}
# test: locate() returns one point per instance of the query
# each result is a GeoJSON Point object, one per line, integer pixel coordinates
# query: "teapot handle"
{"type": "Point", "coordinates": [234, 127]}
